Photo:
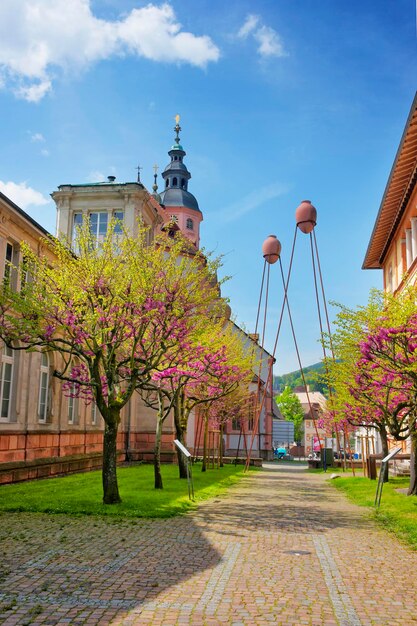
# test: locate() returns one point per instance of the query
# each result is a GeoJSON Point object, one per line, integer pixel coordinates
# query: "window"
{"type": "Point", "coordinates": [236, 423]}
{"type": "Point", "coordinates": [190, 224]}
{"type": "Point", "coordinates": [118, 215]}
{"type": "Point", "coordinates": [43, 388]}
{"type": "Point", "coordinates": [93, 413]}
{"type": "Point", "coordinates": [175, 182]}
{"type": "Point", "coordinates": [166, 182]}
{"type": "Point", "coordinates": [390, 281]}
{"type": "Point", "coordinates": [10, 265]}
{"type": "Point", "coordinates": [251, 412]}
{"type": "Point", "coordinates": [183, 183]}
{"type": "Point", "coordinates": [98, 225]}
{"type": "Point", "coordinates": [6, 383]}
{"type": "Point", "coordinates": [72, 408]}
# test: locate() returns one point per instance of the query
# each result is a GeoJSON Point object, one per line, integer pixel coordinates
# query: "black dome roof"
{"type": "Point", "coordinates": [175, 196]}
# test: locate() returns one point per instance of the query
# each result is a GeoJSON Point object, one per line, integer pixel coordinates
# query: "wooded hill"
{"type": "Point", "coordinates": [294, 379]}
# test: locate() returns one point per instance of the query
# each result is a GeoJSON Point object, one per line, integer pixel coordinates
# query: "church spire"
{"type": "Point", "coordinates": [180, 205]}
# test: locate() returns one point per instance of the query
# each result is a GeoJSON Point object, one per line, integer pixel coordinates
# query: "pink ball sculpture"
{"type": "Point", "coordinates": [306, 216]}
{"type": "Point", "coordinates": [271, 249]}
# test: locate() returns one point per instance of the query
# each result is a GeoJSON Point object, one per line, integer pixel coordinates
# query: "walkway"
{"type": "Point", "coordinates": [283, 547]}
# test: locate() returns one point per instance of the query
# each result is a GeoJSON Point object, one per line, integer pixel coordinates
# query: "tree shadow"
{"type": "Point", "coordinates": [62, 567]}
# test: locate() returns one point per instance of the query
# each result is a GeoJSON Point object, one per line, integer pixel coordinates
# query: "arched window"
{"type": "Point", "coordinates": [175, 181]}
{"type": "Point", "coordinates": [190, 224]}
{"type": "Point", "coordinates": [175, 158]}
{"type": "Point", "coordinates": [166, 182]}
{"type": "Point", "coordinates": [183, 183]}
{"type": "Point", "coordinates": [44, 388]}
{"type": "Point", "coordinates": [6, 383]}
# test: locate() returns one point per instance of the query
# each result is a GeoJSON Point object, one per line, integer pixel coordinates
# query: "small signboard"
{"type": "Point", "coordinates": [384, 464]}
{"type": "Point", "coordinates": [182, 448]}
{"type": "Point", "coordinates": [187, 454]}
{"type": "Point", "coordinates": [391, 455]}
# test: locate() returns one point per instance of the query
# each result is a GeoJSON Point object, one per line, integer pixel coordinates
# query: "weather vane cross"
{"type": "Point", "coordinates": [139, 168]}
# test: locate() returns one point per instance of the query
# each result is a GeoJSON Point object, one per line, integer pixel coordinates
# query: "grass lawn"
{"type": "Point", "coordinates": [397, 513]}
{"type": "Point", "coordinates": [81, 494]}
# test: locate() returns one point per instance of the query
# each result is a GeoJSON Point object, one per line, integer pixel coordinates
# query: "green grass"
{"type": "Point", "coordinates": [81, 494]}
{"type": "Point", "coordinates": [397, 512]}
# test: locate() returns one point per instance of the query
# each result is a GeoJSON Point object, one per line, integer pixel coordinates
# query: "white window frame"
{"type": "Point", "coordinates": [43, 399]}
{"type": "Point", "coordinates": [7, 359]}
{"type": "Point", "coordinates": [102, 216]}
{"type": "Point", "coordinates": [11, 262]}
{"type": "Point", "coordinates": [93, 413]}
{"type": "Point", "coordinates": [72, 409]}
{"type": "Point", "coordinates": [77, 221]}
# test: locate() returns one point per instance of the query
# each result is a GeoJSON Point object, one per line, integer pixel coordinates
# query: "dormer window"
{"type": "Point", "coordinates": [189, 224]}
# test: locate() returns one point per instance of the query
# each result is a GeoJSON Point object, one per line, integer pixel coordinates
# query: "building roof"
{"type": "Point", "coordinates": [398, 190]}
{"type": "Point", "coordinates": [23, 214]}
{"type": "Point", "coordinates": [315, 397]}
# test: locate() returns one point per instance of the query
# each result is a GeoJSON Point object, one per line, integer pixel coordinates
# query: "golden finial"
{"type": "Point", "coordinates": [177, 119]}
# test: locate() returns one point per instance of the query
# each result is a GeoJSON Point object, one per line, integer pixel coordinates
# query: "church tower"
{"type": "Point", "coordinates": [180, 205]}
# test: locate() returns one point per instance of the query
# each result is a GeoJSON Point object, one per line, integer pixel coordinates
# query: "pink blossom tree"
{"type": "Point", "coordinates": [112, 313]}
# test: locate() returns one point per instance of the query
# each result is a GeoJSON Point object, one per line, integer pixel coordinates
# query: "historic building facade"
{"type": "Point", "coordinates": [43, 432]}
{"type": "Point", "coordinates": [393, 243]}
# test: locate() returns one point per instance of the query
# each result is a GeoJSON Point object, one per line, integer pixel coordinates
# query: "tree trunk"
{"type": "Point", "coordinates": [110, 487]}
{"type": "Point", "coordinates": [157, 453]}
{"type": "Point", "coordinates": [180, 434]}
{"type": "Point", "coordinates": [412, 488]}
{"type": "Point", "coordinates": [205, 445]}
{"type": "Point", "coordinates": [384, 445]}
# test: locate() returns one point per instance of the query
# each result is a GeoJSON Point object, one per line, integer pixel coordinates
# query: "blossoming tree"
{"type": "Point", "coordinates": [211, 366]}
{"type": "Point", "coordinates": [112, 312]}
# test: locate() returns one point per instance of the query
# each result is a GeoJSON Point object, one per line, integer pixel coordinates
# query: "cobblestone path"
{"type": "Point", "coordinates": [283, 547]}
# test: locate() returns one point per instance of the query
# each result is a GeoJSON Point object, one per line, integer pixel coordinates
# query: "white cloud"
{"type": "Point", "coordinates": [40, 38]}
{"type": "Point", "coordinates": [36, 137]}
{"type": "Point", "coordinates": [253, 201]}
{"type": "Point", "coordinates": [250, 24]}
{"type": "Point", "coordinates": [268, 40]}
{"type": "Point", "coordinates": [270, 44]}
{"type": "Point", "coordinates": [45, 152]}
{"type": "Point", "coordinates": [22, 195]}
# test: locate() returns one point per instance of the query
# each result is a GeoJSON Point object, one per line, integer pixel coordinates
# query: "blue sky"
{"type": "Point", "coordinates": [280, 101]}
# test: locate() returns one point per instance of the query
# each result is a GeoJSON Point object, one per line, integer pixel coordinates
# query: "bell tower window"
{"type": "Point", "coordinates": [190, 224]}
{"type": "Point", "coordinates": [175, 182]}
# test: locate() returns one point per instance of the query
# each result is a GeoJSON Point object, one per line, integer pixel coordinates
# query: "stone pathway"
{"type": "Point", "coordinates": [283, 547]}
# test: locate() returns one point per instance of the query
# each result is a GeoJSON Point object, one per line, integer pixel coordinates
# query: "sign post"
{"type": "Point", "coordinates": [384, 464]}
{"type": "Point", "coordinates": [187, 455]}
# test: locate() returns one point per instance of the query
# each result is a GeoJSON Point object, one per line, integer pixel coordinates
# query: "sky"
{"type": "Point", "coordinates": [280, 101]}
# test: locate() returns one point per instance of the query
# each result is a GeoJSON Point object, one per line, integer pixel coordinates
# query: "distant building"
{"type": "Point", "coordinates": [314, 404]}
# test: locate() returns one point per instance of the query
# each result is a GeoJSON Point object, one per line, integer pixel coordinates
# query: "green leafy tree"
{"type": "Point", "coordinates": [292, 410]}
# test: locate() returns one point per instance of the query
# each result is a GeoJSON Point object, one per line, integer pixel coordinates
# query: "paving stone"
{"type": "Point", "coordinates": [282, 547]}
